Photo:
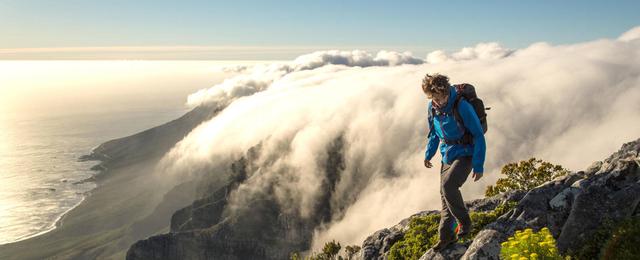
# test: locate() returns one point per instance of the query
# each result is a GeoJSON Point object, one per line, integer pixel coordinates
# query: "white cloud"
{"type": "Point", "coordinates": [568, 104]}
{"type": "Point", "coordinates": [630, 35]}
{"type": "Point", "coordinates": [263, 76]}
{"type": "Point", "coordinates": [482, 51]}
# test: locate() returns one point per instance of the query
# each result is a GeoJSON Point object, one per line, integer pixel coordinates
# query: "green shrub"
{"type": "Point", "coordinates": [481, 219]}
{"type": "Point", "coordinates": [330, 251]}
{"type": "Point", "coordinates": [525, 175]}
{"type": "Point", "coordinates": [351, 251]}
{"type": "Point", "coordinates": [524, 245]}
{"type": "Point", "coordinates": [423, 232]}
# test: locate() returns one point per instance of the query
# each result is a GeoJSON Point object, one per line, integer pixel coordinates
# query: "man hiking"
{"type": "Point", "coordinates": [453, 120]}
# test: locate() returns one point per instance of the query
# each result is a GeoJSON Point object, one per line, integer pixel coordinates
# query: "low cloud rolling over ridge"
{"type": "Point", "coordinates": [568, 104]}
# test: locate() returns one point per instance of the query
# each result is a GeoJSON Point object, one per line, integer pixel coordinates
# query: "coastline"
{"type": "Point", "coordinates": [99, 226]}
{"type": "Point", "coordinates": [58, 221]}
{"type": "Point", "coordinates": [55, 224]}
{"type": "Point", "coordinates": [58, 217]}
{"type": "Point", "coordinates": [131, 199]}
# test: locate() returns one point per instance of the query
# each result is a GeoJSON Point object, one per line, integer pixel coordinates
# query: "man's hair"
{"type": "Point", "coordinates": [435, 83]}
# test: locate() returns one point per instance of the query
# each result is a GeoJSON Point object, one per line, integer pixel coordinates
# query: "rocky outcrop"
{"type": "Point", "coordinates": [211, 228]}
{"type": "Point", "coordinates": [573, 207]}
{"type": "Point", "coordinates": [453, 252]}
{"type": "Point", "coordinates": [246, 236]}
{"type": "Point", "coordinates": [377, 245]}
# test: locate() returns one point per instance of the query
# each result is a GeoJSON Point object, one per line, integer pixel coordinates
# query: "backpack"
{"type": "Point", "coordinates": [468, 92]}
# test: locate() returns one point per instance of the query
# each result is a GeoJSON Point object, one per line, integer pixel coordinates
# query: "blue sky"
{"type": "Point", "coordinates": [284, 29]}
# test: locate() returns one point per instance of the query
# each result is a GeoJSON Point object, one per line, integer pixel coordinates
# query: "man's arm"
{"type": "Point", "coordinates": [433, 139]}
{"type": "Point", "coordinates": [472, 122]}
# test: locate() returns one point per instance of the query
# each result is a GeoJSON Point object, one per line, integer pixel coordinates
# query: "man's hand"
{"type": "Point", "coordinates": [476, 176]}
{"type": "Point", "coordinates": [427, 163]}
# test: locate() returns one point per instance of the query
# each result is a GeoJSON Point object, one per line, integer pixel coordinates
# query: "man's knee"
{"type": "Point", "coordinates": [448, 185]}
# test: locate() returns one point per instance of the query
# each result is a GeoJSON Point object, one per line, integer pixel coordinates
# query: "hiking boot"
{"type": "Point", "coordinates": [443, 244]}
{"type": "Point", "coordinates": [464, 231]}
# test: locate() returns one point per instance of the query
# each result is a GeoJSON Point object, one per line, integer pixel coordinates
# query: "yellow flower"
{"type": "Point", "coordinates": [528, 230]}
{"type": "Point", "coordinates": [523, 258]}
{"type": "Point", "coordinates": [544, 229]}
{"type": "Point", "coordinates": [504, 244]}
{"type": "Point", "coordinates": [525, 237]}
{"type": "Point", "coordinates": [515, 256]}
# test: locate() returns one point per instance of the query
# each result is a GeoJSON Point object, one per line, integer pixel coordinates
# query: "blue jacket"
{"type": "Point", "coordinates": [447, 126]}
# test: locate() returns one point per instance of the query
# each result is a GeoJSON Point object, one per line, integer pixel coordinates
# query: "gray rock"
{"type": "Point", "coordinates": [592, 207]}
{"type": "Point", "coordinates": [380, 242]}
{"type": "Point", "coordinates": [485, 246]}
{"type": "Point", "coordinates": [452, 252]}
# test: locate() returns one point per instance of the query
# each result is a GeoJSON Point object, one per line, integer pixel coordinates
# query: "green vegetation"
{"type": "Point", "coordinates": [351, 251]}
{"type": "Point", "coordinates": [613, 240]}
{"type": "Point", "coordinates": [525, 245]}
{"type": "Point", "coordinates": [525, 175]}
{"type": "Point", "coordinates": [423, 232]}
{"type": "Point", "coordinates": [330, 251]}
{"type": "Point", "coordinates": [481, 219]}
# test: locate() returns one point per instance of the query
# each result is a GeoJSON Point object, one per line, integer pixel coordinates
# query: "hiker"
{"type": "Point", "coordinates": [463, 149]}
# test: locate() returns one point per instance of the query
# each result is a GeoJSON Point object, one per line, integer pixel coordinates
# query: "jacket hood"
{"type": "Point", "coordinates": [451, 100]}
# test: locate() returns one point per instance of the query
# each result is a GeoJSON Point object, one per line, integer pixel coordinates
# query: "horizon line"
{"type": "Point", "coordinates": [188, 52]}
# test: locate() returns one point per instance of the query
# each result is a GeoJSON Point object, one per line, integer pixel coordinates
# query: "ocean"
{"type": "Point", "coordinates": [53, 112]}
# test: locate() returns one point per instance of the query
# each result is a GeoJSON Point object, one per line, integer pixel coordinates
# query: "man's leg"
{"type": "Point", "coordinates": [452, 179]}
{"type": "Point", "coordinates": [447, 221]}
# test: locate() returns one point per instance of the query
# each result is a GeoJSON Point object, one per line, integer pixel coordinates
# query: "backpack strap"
{"type": "Point", "coordinates": [466, 138]}
{"type": "Point", "coordinates": [430, 115]}
{"type": "Point", "coordinates": [459, 87]}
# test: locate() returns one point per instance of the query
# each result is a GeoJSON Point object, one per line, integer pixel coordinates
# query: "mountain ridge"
{"type": "Point", "coordinates": [572, 206]}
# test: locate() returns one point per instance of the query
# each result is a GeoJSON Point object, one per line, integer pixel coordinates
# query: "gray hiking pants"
{"type": "Point", "coordinates": [453, 209]}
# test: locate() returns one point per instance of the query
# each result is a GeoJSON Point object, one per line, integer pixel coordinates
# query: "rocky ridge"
{"type": "Point", "coordinates": [573, 207]}
{"type": "Point", "coordinates": [210, 228]}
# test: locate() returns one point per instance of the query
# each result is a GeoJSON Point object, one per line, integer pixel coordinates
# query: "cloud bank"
{"type": "Point", "coordinates": [261, 77]}
{"type": "Point", "coordinates": [482, 51]}
{"type": "Point", "coordinates": [568, 104]}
